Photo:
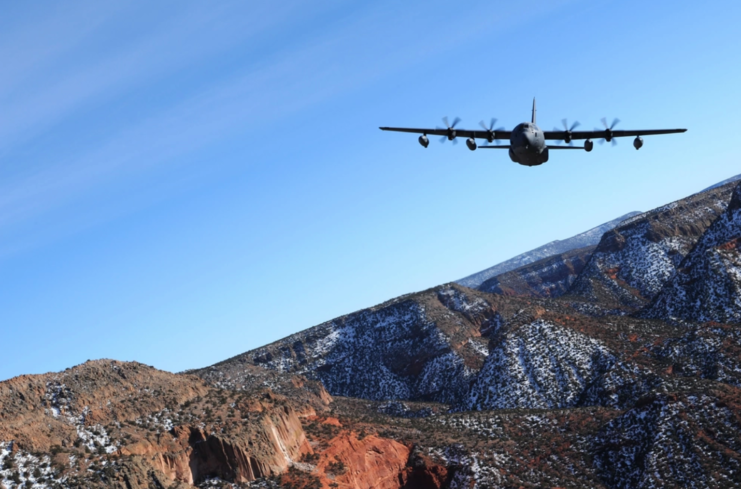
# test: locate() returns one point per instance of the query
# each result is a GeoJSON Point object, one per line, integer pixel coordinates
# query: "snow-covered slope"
{"type": "Point", "coordinates": [539, 365]}
{"type": "Point", "coordinates": [587, 238]}
{"type": "Point", "coordinates": [544, 365]}
{"type": "Point", "coordinates": [425, 346]}
{"type": "Point", "coordinates": [549, 277]}
{"type": "Point", "coordinates": [633, 261]}
{"type": "Point", "coordinates": [707, 286]}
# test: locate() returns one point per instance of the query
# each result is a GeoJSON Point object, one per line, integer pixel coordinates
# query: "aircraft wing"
{"type": "Point", "coordinates": [461, 133]}
{"type": "Point", "coordinates": [604, 133]}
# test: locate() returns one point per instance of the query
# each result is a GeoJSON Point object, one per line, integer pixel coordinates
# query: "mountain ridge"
{"type": "Point", "coordinates": [587, 238]}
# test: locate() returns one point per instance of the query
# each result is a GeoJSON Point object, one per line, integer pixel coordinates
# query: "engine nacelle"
{"type": "Point", "coordinates": [424, 141]}
{"type": "Point", "coordinates": [471, 143]}
{"type": "Point", "coordinates": [638, 142]}
{"type": "Point", "coordinates": [588, 145]}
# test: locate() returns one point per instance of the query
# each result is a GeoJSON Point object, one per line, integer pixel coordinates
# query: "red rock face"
{"type": "Point", "coordinates": [372, 462]}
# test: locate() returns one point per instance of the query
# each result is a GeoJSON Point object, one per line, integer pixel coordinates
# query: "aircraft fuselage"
{"type": "Point", "coordinates": [527, 145]}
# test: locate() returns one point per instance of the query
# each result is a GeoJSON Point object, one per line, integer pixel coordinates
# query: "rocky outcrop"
{"type": "Point", "coordinates": [367, 463]}
{"type": "Point", "coordinates": [192, 455]}
{"type": "Point", "coordinates": [585, 239]}
{"type": "Point", "coordinates": [550, 277]}
{"type": "Point", "coordinates": [633, 261]}
{"type": "Point", "coordinates": [707, 285]}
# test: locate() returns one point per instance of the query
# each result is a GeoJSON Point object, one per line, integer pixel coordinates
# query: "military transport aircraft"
{"type": "Point", "coordinates": [527, 141]}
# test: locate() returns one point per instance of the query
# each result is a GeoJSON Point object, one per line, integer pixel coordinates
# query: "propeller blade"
{"type": "Point", "coordinates": [614, 142]}
{"type": "Point", "coordinates": [445, 120]}
{"type": "Point", "coordinates": [491, 123]}
{"type": "Point", "coordinates": [443, 139]}
{"type": "Point", "coordinates": [604, 122]}
{"type": "Point", "coordinates": [483, 126]}
{"type": "Point", "coordinates": [566, 127]}
{"type": "Point", "coordinates": [455, 141]}
{"type": "Point", "coordinates": [455, 121]}
{"type": "Point", "coordinates": [615, 122]}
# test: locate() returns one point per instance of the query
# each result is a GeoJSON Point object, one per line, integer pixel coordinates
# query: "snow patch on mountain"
{"type": "Point", "coordinates": [539, 365]}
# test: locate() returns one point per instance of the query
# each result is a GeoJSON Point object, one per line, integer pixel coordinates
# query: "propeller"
{"type": "Point", "coordinates": [567, 129]}
{"type": "Point", "coordinates": [451, 129]}
{"type": "Point", "coordinates": [608, 131]}
{"type": "Point", "coordinates": [490, 131]}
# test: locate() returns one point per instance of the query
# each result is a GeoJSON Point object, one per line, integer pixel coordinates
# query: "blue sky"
{"type": "Point", "coordinates": [183, 181]}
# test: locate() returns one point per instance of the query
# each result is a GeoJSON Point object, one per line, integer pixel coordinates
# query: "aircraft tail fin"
{"type": "Point", "coordinates": [533, 121]}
